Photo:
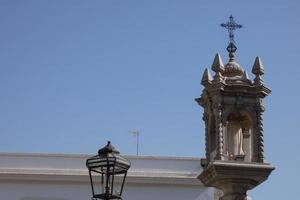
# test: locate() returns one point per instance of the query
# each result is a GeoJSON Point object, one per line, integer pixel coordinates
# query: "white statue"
{"type": "Point", "coordinates": [234, 139]}
{"type": "Point", "coordinates": [239, 142]}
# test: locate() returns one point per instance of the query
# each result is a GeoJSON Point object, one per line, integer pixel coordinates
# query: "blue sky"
{"type": "Point", "coordinates": [75, 74]}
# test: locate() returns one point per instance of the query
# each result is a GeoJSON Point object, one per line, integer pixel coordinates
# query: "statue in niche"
{"type": "Point", "coordinates": [235, 139]}
{"type": "Point", "coordinates": [236, 133]}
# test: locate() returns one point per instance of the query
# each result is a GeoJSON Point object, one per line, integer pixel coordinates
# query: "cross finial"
{"type": "Point", "coordinates": [231, 26]}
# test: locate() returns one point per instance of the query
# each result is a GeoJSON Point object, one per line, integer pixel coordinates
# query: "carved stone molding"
{"type": "Point", "coordinates": [235, 178]}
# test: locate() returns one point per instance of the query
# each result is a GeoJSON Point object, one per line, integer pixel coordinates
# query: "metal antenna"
{"type": "Point", "coordinates": [231, 26]}
{"type": "Point", "coordinates": [136, 133]}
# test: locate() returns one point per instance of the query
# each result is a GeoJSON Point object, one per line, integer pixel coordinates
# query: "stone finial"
{"type": "Point", "coordinates": [245, 76]}
{"type": "Point", "coordinates": [258, 70]}
{"type": "Point", "coordinates": [206, 77]}
{"type": "Point", "coordinates": [218, 67]}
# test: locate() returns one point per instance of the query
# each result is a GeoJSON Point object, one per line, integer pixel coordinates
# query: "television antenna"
{"type": "Point", "coordinates": [136, 133]}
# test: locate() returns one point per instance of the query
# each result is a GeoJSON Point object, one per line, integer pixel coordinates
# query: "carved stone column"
{"type": "Point", "coordinates": [260, 134]}
{"type": "Point", "coordinates": [219, 129]}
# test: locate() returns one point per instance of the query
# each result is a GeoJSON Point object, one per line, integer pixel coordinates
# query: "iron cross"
{"type": "Point", "coordinates": [231, 26]}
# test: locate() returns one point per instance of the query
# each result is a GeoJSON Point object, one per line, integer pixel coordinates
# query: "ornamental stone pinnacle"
{"type": "Point", "coordinates": [234, 132]}
{"type": "Point", "coordinates": [245, 76]}
{"type": "Point", "coordinates": [258, 70]}
{"type": "Point", "coordinates": [218, 67]}
{"type": "Point", "coordinates": [206, 78]}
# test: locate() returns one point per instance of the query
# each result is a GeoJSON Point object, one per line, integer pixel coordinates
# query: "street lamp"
{"type": "Point", "coordinates": [107, 164]}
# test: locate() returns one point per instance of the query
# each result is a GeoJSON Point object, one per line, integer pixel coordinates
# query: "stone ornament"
{"type": "Point", "coordinates": [234, 133]}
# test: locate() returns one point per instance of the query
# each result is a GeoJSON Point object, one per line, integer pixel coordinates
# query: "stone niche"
{"type": "Point", "coordinates": [234, 133]}
{"type": "Point", "coordinates": [238, 136]}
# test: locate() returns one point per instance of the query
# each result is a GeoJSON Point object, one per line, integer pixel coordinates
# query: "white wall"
{"type": "Point", "coordinates": [65, 177]}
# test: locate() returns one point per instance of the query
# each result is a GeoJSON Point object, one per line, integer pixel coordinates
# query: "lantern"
{"type": "Point", "coordinates": [108, 165]}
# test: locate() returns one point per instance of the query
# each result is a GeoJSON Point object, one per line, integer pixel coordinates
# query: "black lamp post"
{"type": "Point", "coordinates": [107, 164]}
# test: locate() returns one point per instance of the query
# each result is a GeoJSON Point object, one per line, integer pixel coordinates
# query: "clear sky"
{"type": "Point", "coordinates": [75, 74]}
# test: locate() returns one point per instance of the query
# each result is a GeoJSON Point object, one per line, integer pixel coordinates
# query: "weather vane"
{"type": "Point", "coordinates": [231, 26]}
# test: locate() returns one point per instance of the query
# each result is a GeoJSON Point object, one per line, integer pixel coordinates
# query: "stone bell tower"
{"type": "Point", "coordinates": [233, 116]}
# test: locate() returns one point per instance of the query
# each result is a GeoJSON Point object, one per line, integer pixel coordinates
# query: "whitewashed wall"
{"type": "Point", "coordinates": [65, 177]}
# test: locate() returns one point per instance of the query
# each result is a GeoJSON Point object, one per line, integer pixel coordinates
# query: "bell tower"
{"type": "Point", "coordinates": [233, 117]}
